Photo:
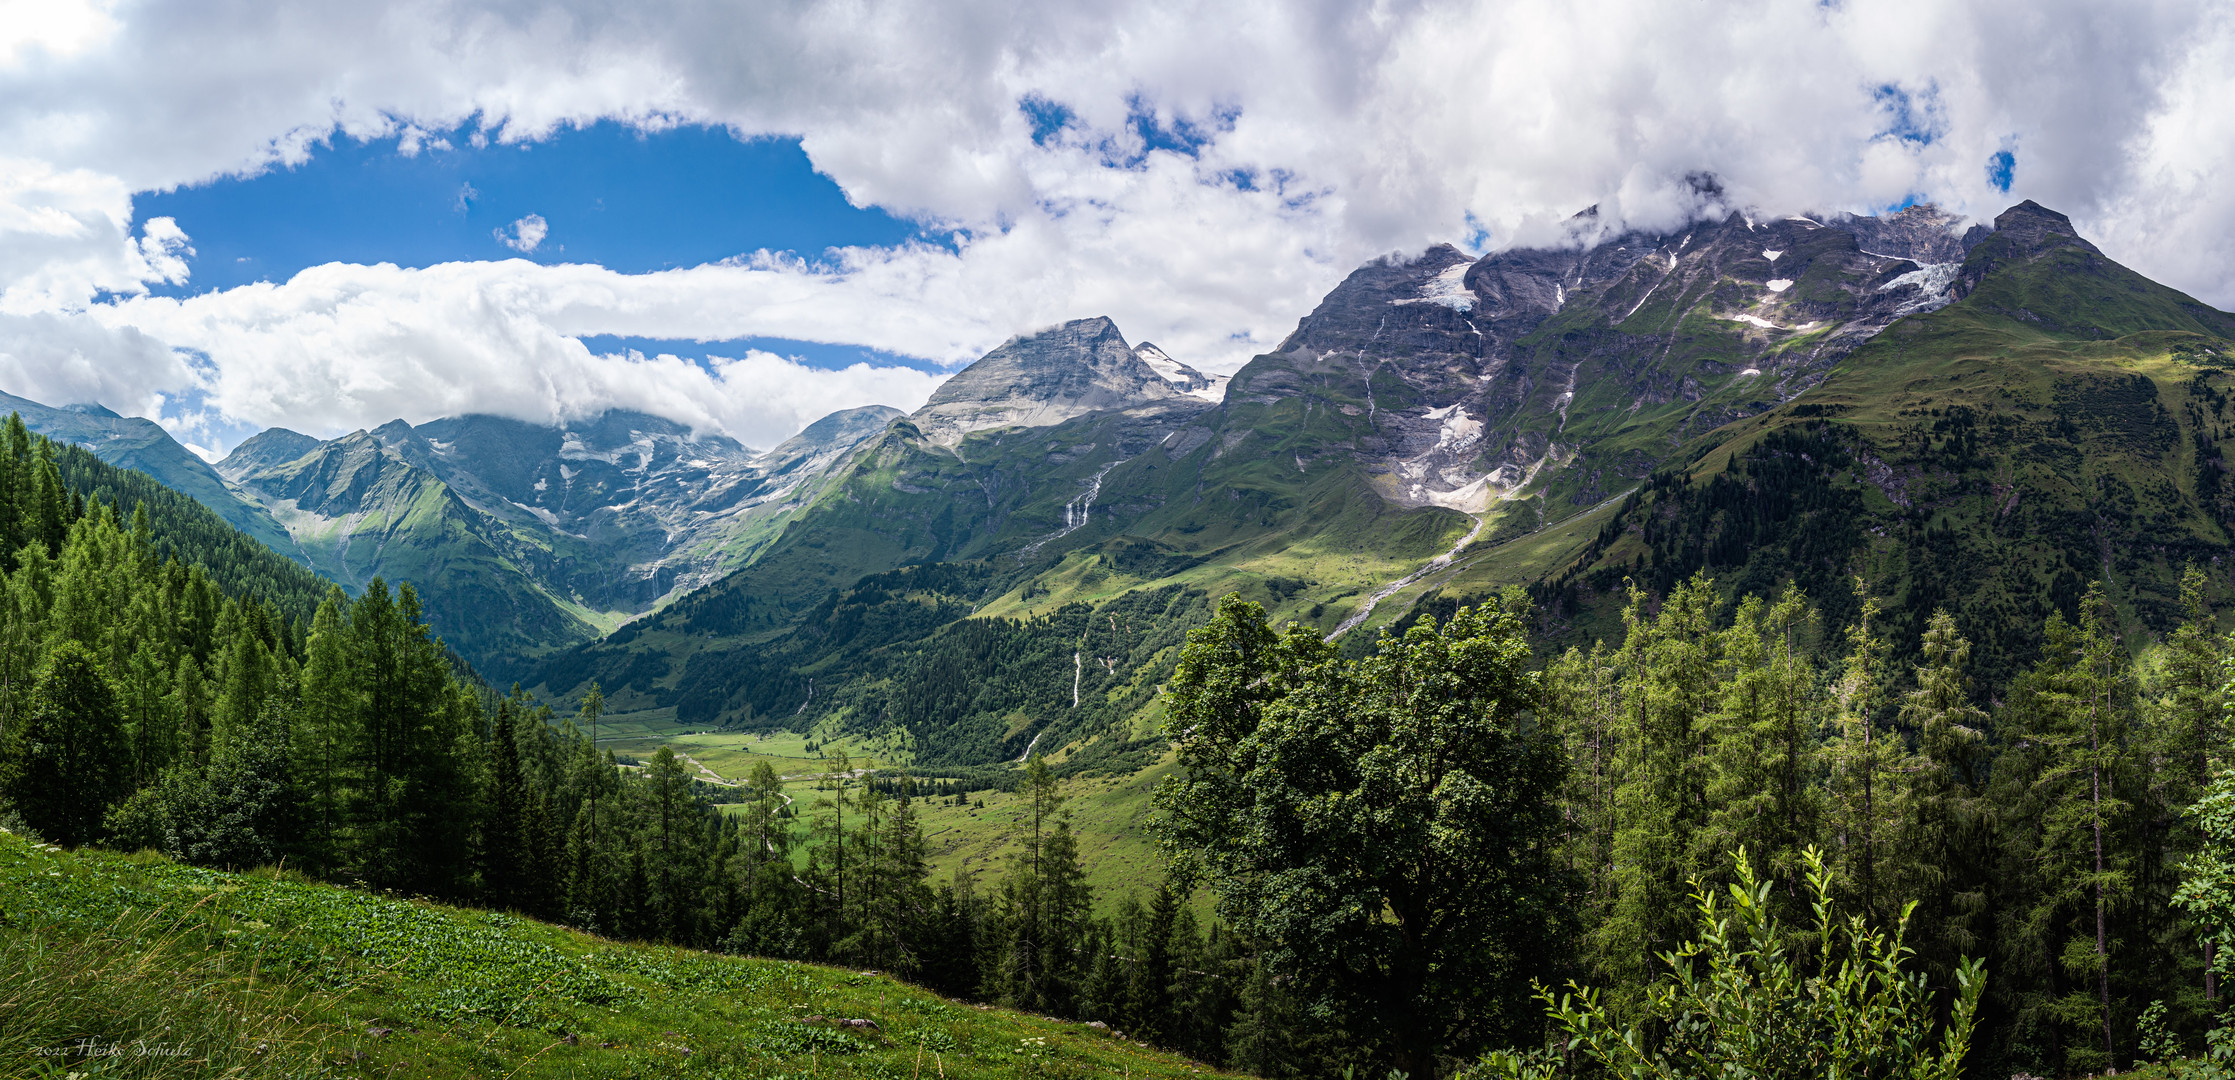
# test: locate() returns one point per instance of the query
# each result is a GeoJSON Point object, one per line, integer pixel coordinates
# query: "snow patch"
{"type": "Point", "coordinates": [1756, 320]}
{"type": "Point", "coordinates": [1779, 284]}
{"type": "Point", "coordinates": [1458, 429]}
{"type": "Point", "coordinates": [1173, 371]}
{"type": "Point", "coordinates": [1771, 255]}
{"type": "Point", "coordinates": [1215, 392]}
{"type": "Point", "coordinates": [1749, 371]}
{"type": "Point", "coordinates": [1448, 288]}
{"type": "Point", "coordinates": [1935, 284]}
{"type": "Point", "coordinates": [543, 483]}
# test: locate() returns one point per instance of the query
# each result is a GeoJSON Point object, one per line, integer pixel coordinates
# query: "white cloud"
{"type": "Point", "coordinates": [343, 346]}
{"type": "Point", "coordinates": [36, 29]}
{"type": "Point", "coordinates": [1335, 132]}
{"type": "Point", "coordinates": [64, 359]}
{"type": "Point", "coordinates": [523, 235]}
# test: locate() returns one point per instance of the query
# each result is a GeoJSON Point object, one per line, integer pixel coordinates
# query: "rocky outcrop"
{"type": "Point", "coordinates": [1045, 378]}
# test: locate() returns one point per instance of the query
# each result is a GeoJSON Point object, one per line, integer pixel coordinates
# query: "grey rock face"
{"type": "Point", "coordinates": [272, 446]}
{"type": "Point", "coordinates": [1473, 368]}
{"type": "Point", "coordinates": [1044, 378]}
{"type": "Point", "coordinates": [1923, 233]}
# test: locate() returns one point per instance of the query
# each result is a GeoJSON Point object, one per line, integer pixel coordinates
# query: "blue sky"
{"type": "Point", "coordinates": [630, 201]}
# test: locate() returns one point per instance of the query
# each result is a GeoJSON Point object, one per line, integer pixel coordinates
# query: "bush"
{"type": "Point", "coordinates": [1742, 1001]}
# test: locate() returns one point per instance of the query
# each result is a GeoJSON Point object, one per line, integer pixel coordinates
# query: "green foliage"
{"type": "Point", "coordinates": [64, 757]}
{"type": "Point", "coordinates": [1747, 997]}
{"type": "Point", "coordinates": [1384, 827]}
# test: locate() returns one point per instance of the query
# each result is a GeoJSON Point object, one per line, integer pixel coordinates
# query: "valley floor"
{"type": "Point", "coordinates": [974, 837]}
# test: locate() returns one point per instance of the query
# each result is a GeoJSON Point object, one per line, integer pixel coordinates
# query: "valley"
{"type": "Point", "coordinates": [1851, 543]}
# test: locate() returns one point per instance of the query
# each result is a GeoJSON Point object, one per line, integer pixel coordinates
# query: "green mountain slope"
{"type": "Point", "coordinates": [524, 538]}
{"type": "Point", "coordinates": [2059, 422]}
{"type": "Point", "coordinates": [357, 510]}
{"type": "Point", "coordinates": [143, 445]}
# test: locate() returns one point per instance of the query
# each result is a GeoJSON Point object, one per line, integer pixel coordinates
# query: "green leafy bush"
{"type": "Point", "coordinates": [1748, 999]}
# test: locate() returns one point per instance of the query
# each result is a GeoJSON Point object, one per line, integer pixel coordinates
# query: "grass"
{"type": "Point", "coordinates": [265, 974]}
{"type": "Point", "coordinates": [1107, 814]}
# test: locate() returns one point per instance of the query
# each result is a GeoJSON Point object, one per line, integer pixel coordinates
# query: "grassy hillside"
{"type": "Point", "coordinates": [266, 975]}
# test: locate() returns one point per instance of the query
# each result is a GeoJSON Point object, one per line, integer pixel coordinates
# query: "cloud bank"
{"type": "Point", "coordinates": [1201, 172]}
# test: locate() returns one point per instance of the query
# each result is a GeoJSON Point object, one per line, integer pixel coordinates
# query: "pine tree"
{"type": "Point", "coordinates": [505, 849]}
{"type": "Point", "coordinates": [66, 764]}
{"type": "Point", "coordinates": [2059, 788]}
{"type": "Point", "coordinates": [1864, 767]}
{"type": "Point", "coordinates": [1944, 845]}
{"type": "Point", "coordinates": [1670, 686]}
{"type": "Point", "coordinates": [672, 820]}
{"type": "Point", "coordinates": [330, 731]}
{"type": "Point", "coordinates": [2184, 737]}
{"type": "Point", "coordinates": [1758, 786]}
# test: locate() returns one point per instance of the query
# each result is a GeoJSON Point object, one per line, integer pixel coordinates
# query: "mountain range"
{"type": "Point", "coordinates": [1967, 415]}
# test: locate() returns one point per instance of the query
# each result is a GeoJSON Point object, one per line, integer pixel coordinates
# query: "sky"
{"type": "Point", "coordinates": [324, 216]}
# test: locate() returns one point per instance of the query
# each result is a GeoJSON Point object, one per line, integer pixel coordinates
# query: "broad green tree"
{"type": "Point", "coordinates": [68, 761]}
{"type": "Point", "coordinates": [1387, 827]}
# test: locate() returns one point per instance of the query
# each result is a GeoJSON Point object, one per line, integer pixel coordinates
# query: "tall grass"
{"type": "Point", "coordinates": [142, 997]}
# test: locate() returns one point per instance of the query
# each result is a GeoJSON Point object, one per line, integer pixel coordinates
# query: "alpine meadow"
{"type": "Point", "coordinates": [1651, 543]}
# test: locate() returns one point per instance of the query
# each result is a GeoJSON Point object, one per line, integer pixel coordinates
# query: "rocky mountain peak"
{"type": "Point", "coordinates": [1046, 377]}
{"type": "Point", "coordinates": [2022, 233]}
{"type": "Point", "coordinates": [1190, 381]}
{"type": "Point", "coordinates": [272, 446]}
{"type": "Point", "coordinates": [2030, 229]}
{"type": "Point", "coordinates": [841, 430]}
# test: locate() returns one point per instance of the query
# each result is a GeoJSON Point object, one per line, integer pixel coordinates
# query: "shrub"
{"type": "Point", "coordinates": [1743, 1000]}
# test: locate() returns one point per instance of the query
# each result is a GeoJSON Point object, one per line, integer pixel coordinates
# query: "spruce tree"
{"type": "Point", "coordinates": [1942, 855]}
{"type": "Point", "coordinates": [2059, 787]}
{"type": "Point", "coordinates": [1670, 686]}
{"type": "Point", "coordinates": [1864, 768]}
{"type": "Point", "coordinates": [67, 762]}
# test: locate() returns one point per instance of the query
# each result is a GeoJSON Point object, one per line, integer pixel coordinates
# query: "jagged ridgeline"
{"type": "Point", "coordinates": [2057, 424]}
{"type": "Point", "coordinates": [1983, 418]}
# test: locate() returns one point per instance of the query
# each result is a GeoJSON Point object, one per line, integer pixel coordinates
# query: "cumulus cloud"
{"type": "Point", "coordinates": [343, 346]}
{"type": "Point", "coordinates": [1200, 171]}
{"type": "Point", "coordinates": [525, 234]}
